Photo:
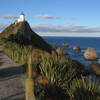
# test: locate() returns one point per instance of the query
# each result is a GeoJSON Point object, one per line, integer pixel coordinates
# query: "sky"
{"type": "Point", "coordinates": [54, 17]}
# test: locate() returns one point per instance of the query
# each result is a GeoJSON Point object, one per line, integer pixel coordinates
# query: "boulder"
{"type": "Point", "coordinates": [65, 45]}
{"type": "Point", "coordinates": [90, 54]}
{"type": "Point", "coordinates": [77, 48]}
{"type": "Point", "coordinates": [55, 45]}
{"type": "Point", "coordinates": [61, 52]}
{"type": "Point", "coordinates": [95, 67]}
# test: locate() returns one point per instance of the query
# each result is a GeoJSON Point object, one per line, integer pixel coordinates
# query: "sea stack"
{"type": "Point", "coordinates": [90, 54]}
{"type": "Point", "coordinates": [77, 48]}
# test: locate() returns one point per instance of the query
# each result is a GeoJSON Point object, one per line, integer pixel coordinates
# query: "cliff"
{"type": "Point", "coordinates": [22, 33]}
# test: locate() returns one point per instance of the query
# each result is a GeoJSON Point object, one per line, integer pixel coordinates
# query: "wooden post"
{"type": "Point", "coordinates": [30, 68]}
{"type": "Point", "coordinates": [29, 89]}
{"type": "Point", "coordinates": [29, 84]}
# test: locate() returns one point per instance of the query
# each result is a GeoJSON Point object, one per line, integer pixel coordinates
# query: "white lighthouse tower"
{"type": "Point", "coordinates": [21, 18]}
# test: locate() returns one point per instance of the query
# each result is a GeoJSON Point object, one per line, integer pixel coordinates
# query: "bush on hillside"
{"type": "Point", "coordinates": [56, 75]}
{"type": "Point", "coordinates": [84, 89]}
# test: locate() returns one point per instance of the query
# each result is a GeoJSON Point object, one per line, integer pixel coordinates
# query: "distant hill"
{"type": "Point", "coordinates": [22, 33]}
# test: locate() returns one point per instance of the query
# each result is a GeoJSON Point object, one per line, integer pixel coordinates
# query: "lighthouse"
{"type": "Point", "coordinates": [21, 18]}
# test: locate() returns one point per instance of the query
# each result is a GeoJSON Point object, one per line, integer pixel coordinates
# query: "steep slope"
{"type": "Point", "coordinates": [23, 34]}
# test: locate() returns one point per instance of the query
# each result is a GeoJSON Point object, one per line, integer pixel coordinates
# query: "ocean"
{"type": "Point", "coordinates": [83, 42]}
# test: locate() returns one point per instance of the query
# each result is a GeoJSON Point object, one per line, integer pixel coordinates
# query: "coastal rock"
{"type": "Point", "coordinates": [90, 54]}
{"type": "Point", "coordinates": [61, 52]}
{"type": "Point", "coordinates": [65, 44]}
{"type": "Point", "coordinates": [55, 45]}
{"type": "Point", "coordinates": [77, 48]}
{"type": "Point", "coordinates": [95, 67]}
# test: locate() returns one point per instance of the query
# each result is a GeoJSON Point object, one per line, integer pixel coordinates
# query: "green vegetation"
{"type": "Point", "coordinates": [62, 81]}
{"type": "Point", "coordinates": [57, 73]}
{"type": "Point", "coordinates": [54, 77]}
{"type": "Point", "coordinates": [22, 34]}
{"type": "Point", "coordinates": [85, 89]}
{"type": "Point", "coordinates": [16, 52]}
{"type": "Point", "coordinates": [1, 63]}
{"type": "Point", "coordinates": [59, 70]}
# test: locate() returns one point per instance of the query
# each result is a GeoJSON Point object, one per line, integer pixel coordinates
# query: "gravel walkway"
{"type": "Point", "coordinates": [11, 80]}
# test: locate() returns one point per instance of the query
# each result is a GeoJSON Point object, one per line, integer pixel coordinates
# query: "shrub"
{"type": "Point", "coordinates": [59, 70]}
{"type": "Point", "coordinates": [84, 89]}
{"type": "Point", "coordinates": [49, 92]}
{"type": "Point", "coordinates": [56, 75]}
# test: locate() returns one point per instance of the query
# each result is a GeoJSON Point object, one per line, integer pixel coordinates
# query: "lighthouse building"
{"type": "Point", "coordinates": [21, 18]}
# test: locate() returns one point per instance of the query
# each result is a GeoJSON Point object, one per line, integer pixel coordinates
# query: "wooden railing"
{"type": "Point", "coordinates": [29, 84]}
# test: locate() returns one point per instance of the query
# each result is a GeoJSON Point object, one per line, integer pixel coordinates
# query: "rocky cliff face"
{"type": "Point", "coordinates": [22, 33]}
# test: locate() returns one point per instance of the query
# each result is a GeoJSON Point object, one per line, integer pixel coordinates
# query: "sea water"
{"type": "Point", "coordinates": [83, 42]}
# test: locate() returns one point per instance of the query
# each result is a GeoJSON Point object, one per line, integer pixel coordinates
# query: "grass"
{"type": "Point", "coordinates": [85, 89]}
{"type": "Point", "coordinates": [55, 77]}
{"type": "Point", "coordinates": [1, 63]}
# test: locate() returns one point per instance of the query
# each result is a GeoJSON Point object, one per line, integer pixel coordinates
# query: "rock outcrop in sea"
{"type": "Point", "coordinates": [90, 54]}
{"type": "Point", "coordinates": [65, 45]}
{"type": "Point", "coordinates": [77, 48]}
{"type": "Point", "coordinates": [61, 52]}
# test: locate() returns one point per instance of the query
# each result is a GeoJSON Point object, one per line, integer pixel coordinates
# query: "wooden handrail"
{"type": "Point", "coordinates": [29, 84]}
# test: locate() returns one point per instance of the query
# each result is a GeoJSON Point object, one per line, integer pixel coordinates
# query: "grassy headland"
{"type": "Point", "coordinates": [55, 77]}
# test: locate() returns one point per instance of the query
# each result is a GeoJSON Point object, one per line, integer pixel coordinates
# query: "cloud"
{"type": "Point", "coordinates": [8, 16]}
{"type": "Point", "coordinates": [46, 16]}
{"type": "Point", "coordinates": [70, 28]}
{"type": "Point", "coordinates": [61, 29]}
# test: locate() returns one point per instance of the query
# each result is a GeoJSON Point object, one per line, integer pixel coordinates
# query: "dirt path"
{"type": "Point", "coordinates": [11, 80]}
